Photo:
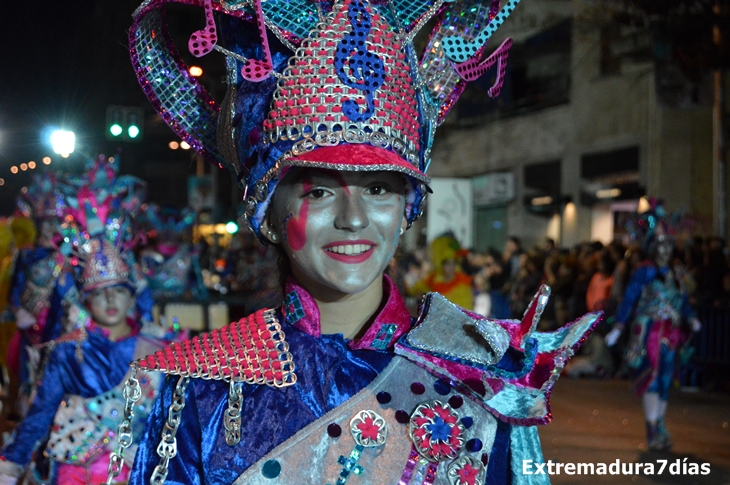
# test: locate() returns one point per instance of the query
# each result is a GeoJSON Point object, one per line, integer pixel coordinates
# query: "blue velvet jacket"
{"type": "Point", "coordinates": [331, 371]}
{"type": "Point", "coordinates": [103, 366]}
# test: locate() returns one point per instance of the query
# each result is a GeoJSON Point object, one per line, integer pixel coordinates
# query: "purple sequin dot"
{"type": "Point", "coordinates": [418, 388]}
{"type": "Point", "coordinates": [383, 397]}
{"type": "Point", "coordinates": [467, 422]}
{"type": "Point", "coordinates": [402, 417]}
{"type": "Point", "coordinates": [485, 459]}
{"type": "Point", "coordinates": [474, 444]}
{"type": "Point", "coordinates": [456, 401]}
{"type": "Point", "coordinates": [442, 387]}
{"type": "Point", "coordinates": [334, 430]}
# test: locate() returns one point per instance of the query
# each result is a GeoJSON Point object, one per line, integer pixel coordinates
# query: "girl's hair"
{"type": "Point", "coordinates": [283, 265]}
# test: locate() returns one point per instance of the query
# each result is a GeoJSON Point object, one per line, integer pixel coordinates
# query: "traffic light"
{"type": "Point", "coordinates": [125, 123]}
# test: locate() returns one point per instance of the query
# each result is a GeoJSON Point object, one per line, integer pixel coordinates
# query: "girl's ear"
{"type": "Point", "coordinates": [269, 231]}
{"type": "Point", "coordinates": [403, 225]}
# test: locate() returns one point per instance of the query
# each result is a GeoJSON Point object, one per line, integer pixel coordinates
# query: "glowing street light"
{"type": "Point", "coordinates": [24, 166]}
{"type": "Point", "coordinates": [231, 227]}
{"type": "Point", "coordinates": [195, 71]}
{"type": "Point", "coordinates": [46, 160]}
{"type": "Point", "coordinates": [173, 145]}
{"type": "Point", "coordinates": [31, 165]}
{"type": "Point", "coordinates": [63, 142]}
{"type": "Point", "coordinates": [13, 169]}
{"type": "Point", "coordinates": [184, 145]}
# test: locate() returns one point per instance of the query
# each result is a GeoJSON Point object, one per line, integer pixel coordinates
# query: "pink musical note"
{"type": "Point", "coordinates": [472, 69]}
{"type": "Point", "coordinates": [203, 41]}
{"type": "Point", "coordinates": [254, 70]}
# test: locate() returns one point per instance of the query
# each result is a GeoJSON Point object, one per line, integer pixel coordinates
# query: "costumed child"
{"type": "Point", "coordinates": [80, 395]}
{"type": "Point", "coordinates": [38, 268]}
{"type": "Point", "coordinates": [660, 316]}
{"type": "Point", "coordinates": [330, 134]}
{"type": "Point", "coordinates": [446, 277]}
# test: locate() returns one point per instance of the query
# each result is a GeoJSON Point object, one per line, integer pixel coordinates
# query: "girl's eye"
{"type": "Point", "coordinates": [377, 190]}
{"type": "Point", "coordinates": [316, 193]}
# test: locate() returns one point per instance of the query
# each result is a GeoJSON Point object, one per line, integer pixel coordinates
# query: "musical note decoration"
{"type": "Point", "coordinates": [356, 66]}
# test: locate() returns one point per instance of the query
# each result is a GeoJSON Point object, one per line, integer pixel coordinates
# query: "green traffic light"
{"type": "Point", "coordinates": [115, 129]}
{"type": "Point", "coordinates": [133, 131]}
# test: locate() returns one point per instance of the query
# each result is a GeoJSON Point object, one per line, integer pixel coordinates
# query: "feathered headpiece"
{"type": "Point", "coordinates": [341, 88]}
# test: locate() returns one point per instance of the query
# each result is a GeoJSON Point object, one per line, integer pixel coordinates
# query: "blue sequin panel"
{"type": "Point", "coordinates": [385, 335]}
{"type": "Point", "coordinates": [293, 308]}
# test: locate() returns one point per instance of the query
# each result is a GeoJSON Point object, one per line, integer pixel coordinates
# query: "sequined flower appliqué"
{"type": "Point", "coordinates": [466, 471]}
{"type": "Point", "coordinates": [368, 428]}
{"type": "Point", "coordinates": [436, 431]}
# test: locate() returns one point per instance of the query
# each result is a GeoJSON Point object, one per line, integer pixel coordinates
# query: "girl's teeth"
{"type": "Point", "coordinates": [350, 249]}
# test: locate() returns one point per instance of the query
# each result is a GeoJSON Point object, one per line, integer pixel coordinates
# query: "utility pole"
{"type": "Point", "coordinates": [719, 206]}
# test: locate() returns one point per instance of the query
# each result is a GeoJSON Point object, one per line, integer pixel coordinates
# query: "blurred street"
{"type": "Point", "coordinates": [599, 421]}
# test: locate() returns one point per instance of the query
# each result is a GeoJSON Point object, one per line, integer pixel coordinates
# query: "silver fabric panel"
{"type": "Point", "coordinates": [447, 330]}
{"type": "Point", "coordinates": [311, 455]}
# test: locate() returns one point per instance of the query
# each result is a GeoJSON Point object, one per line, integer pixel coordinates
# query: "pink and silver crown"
{"type": "Point", "coordinates": [339, 87]}
{"type": "Point", "coordinates": [103, 266]}
{"type": "Point", "coordinates": [349, 83]}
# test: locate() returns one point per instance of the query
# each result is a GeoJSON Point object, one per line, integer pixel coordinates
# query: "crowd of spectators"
{"type": "Point", "coordinates": [588, 277]}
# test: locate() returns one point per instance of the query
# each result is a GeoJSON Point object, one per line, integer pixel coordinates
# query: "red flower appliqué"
{"type": "Point", "coordinates": [369, 429]}
{"type": "Point", "coordinates": [468, 475]}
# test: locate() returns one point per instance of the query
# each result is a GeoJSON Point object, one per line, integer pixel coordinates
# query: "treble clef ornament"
{"type": "Point", "coordinates": [357, 67]}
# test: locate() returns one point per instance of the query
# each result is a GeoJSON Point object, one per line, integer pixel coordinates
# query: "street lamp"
{"type": "Point", "coordinates": [63, 142]}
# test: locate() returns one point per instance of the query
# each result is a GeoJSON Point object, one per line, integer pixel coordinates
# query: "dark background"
{"type": "Point", "coordinates": [62, 63]}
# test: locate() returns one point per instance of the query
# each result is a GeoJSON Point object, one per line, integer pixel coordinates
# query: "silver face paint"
{"type": "Point", "coordinates": [339, 229]}
{"type": "Point", "coordinates": [109, 305]}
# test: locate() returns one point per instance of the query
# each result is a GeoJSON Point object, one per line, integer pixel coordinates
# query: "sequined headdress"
{"type": "Point", "coordinates": [103, 266]}
{"type": "Point", "coordinates": [97, 224]}
{"type": "Point", "coordinates": [42, 198]}
{"type": "Point", "coordinates": [339, 87]}
{"type": "Point", "coordinates": [647, 226]}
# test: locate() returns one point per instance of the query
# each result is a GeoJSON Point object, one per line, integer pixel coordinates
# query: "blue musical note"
{"type": "Point", "coordinates": [366, 71]}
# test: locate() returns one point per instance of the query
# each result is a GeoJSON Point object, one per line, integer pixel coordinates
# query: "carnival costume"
{"type": "Point", "coordinates": [172, 266]}
{"type": "Point", "coordinates": [656, 306]}
{"type": "Point", "coordinates": [81, 389]}
{"type": "Point", "coordinates": [37, 270]}
{"type": "Point", "coordinates": [457, 289]}
{"type": "Point", "coordinates": [450, 397]}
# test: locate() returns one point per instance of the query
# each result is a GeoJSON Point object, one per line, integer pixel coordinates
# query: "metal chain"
{"type": "Point", "coordinates": [232, 418]}
{"type": "Point", "coordinates": [132, 392]}
{"type": "Point", "coordinates": [167, 449]}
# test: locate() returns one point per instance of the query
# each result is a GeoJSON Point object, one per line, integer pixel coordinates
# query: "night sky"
{"type": "Point", "coordinates": [63, 63]}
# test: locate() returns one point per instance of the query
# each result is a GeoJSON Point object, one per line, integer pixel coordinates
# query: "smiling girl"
{"type": "Point", "coordinates": [330, 136]}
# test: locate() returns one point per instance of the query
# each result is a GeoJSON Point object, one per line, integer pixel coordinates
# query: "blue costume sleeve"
{"type": "Point", "coordinates": [37, 422]}
{"type": "Point", "coordinates": [641, 277]}
{"type": "Point", "coordinates": [186, 467]}
{"type": "Point", "coordinates": [64, 285]}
